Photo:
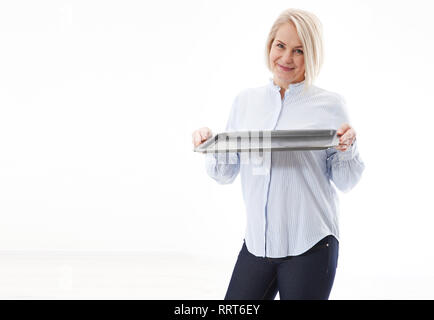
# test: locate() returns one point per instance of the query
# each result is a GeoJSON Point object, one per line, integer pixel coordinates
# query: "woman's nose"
{"type": "Point", "coordinates": [288, 57]}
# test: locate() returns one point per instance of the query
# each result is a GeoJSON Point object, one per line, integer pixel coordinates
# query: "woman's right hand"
{"type": "Point", "coordinates": [201, 135]}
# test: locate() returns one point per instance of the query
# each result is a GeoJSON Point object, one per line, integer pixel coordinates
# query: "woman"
{"type": "Point", "coordinates": [291, 240]}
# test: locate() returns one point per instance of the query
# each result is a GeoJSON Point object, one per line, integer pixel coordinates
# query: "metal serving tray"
{"type": "Point", "coordinates": [274, 140]}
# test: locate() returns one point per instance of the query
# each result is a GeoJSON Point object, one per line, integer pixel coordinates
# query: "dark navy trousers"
{"type": "Point", "coordinates": [308, 276]}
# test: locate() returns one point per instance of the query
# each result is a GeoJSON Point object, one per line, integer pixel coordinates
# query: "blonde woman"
{"type": "Point", "coordinates": [291, 241]}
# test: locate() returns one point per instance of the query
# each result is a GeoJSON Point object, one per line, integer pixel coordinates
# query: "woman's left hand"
{"type": "Point", "coordinates": [347, 137]}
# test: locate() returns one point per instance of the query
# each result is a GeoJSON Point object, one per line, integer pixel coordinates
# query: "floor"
{"type": "Point", "coordinates": [57, 275]}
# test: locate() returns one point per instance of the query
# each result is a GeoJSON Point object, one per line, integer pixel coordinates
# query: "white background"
{"type": "Point", "coordinates": [98, 100]}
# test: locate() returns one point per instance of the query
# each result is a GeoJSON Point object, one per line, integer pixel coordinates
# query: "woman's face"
{"type": "Point", "coordinates": [286, 57]}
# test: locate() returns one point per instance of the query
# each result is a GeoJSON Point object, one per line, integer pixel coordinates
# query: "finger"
{"type": "Point", "coordinates": [195, 136]}
{"type": "Point", "coordinates": [352, 137]}
{"type": "Point", "coordinates": [348, 136]}
{"type": "Point", "coordinates": [345, 139]}
{"type": "Point", "coordinates": [204, 136]}
{"type": "Point", "coordinates": [344, 144]}
{"type": "Point", "coordinates": [343, 129]}
{"type": "Point", "coordinates": [205, 133]}
{"type": "Point", "coordinates": [200, 136]}
{"type": "Point", "coordinates": [197, 139]}
{"type": "Point", "coordinates": [342, 147]}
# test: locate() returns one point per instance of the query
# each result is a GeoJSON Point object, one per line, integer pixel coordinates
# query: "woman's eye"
{"type": "Point", "coordinates": [279, 44]}
{"type": "Point", "coordinates": [298, 51]}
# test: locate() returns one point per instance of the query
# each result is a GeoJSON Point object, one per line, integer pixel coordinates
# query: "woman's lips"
{"type": "Point", "coordinates": [285, 68]}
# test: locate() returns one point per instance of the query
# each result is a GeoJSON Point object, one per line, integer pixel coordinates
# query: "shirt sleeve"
{"type": "Point", "coordinates": [344, 168]}
{"type": "Point", "coordinates": [224, 167]}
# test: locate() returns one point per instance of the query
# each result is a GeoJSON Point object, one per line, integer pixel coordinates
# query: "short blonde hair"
{"type": "Point", "coordinates": [309, 30]}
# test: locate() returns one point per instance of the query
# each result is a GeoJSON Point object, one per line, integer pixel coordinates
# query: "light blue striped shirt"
{"type": "Point", "coordinates": [290, 200]}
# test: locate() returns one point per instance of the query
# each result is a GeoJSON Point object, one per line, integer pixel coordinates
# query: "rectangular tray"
{"type": "Point", "coordinates": [270, 140]}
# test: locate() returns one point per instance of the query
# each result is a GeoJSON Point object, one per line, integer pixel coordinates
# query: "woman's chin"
{"type": "Point", "coordinates": [283, 78]}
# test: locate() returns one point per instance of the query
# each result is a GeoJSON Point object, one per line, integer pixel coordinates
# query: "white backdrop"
{"type": "Point", "coordinates": [98, 100]}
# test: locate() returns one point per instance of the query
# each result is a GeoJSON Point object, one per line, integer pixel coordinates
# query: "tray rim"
{"type": "Point", "coordinates": [273, 133]}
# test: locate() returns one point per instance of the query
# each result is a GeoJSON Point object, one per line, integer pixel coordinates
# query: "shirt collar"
{"type": "Point", "coordinates": [293, 87]}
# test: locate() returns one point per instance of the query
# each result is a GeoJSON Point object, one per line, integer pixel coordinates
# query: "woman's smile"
{"type": "Point", "coordinates": [285, 68]}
